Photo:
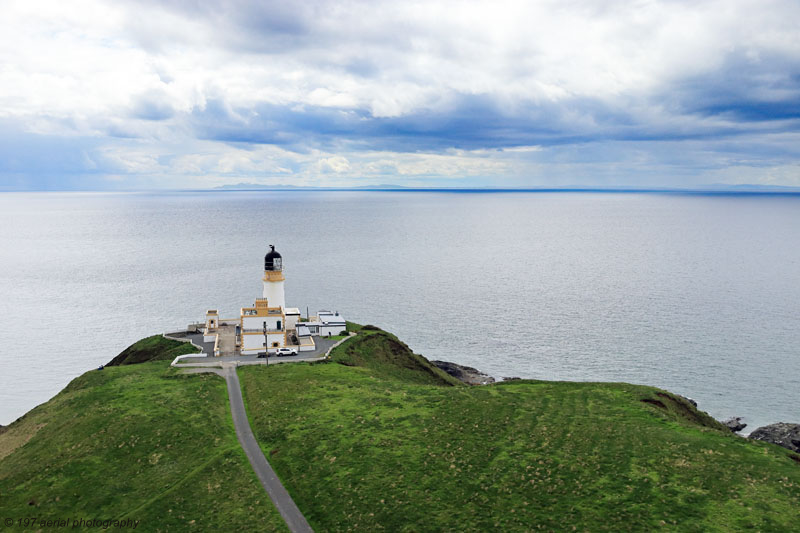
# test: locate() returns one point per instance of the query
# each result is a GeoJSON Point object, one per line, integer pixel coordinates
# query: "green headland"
{"type": "Point", "coordinates": [377, 438]}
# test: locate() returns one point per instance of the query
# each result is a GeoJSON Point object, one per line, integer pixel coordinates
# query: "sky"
{"type": "Point", "coordinates": [143, 94]}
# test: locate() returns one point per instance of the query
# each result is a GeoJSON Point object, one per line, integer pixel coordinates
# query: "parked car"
{"type": "Point", "coordinates": [286, 351]}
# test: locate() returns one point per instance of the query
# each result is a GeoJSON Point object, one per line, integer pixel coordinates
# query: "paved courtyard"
{"type": "Point", "coordinates": [322, 345]}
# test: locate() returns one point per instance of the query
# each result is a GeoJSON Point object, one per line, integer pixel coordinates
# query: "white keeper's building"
{"type": "Point", "coordinates": [269, 324]}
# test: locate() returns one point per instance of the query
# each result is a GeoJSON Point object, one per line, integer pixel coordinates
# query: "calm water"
{"type": "Point", "coordinates": [696, 294]}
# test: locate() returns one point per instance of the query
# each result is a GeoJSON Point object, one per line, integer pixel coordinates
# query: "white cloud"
{"type": "Point", "coordinates": [336, 164]}
{"type": "Point", "coordinates": [94, 56]}
{"type": "Point", "coordinates": [131, 161]}
{"type": "Point", "coordinates": [108, 69]}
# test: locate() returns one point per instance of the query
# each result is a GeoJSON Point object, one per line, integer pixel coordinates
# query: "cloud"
{"type": "Point", "coordinates": [152, 105]}
{"type": "Point", "coordinates": [336, 164]}
{"type": "Point", "coordinates": [432, 90]}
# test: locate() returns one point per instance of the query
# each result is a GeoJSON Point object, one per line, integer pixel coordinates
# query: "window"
{"type": "Point", "coordinates": [275, 344]}
{"type": "Point", "coordinates": [279, 325]}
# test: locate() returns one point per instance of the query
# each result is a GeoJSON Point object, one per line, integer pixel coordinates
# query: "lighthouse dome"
{"type": "Point", "coordinates": [273, 260]}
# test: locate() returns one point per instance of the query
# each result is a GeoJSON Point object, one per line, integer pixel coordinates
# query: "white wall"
{"type": "Point", "coordinates": [325, 330]}
{"type": "Point", "coordinates": [276, 337]}
{"type": "Point", "coordinates": [255, 342]}
{"type": "Point", "coordinates": [307, 347]}
{"type": "Point", "coordinates": [257, 322]}
{"type": "Point", "coordinates": [291, 321]}
{"type": "Point", "coordinates": [273, 292]}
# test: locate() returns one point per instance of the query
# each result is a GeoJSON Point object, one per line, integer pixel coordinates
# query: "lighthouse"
{"type": "Point", "coordinates": [269, 326]}
{"type": "Point", "coordinates": [273, 279]}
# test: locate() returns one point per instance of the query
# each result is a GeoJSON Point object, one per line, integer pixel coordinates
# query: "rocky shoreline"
{"type": "Point", "coordinates": [735, 423]}
{"type": "Point", "coordinates": [781, 433]}
{"type": "Point", "coordinates": [465, 374]}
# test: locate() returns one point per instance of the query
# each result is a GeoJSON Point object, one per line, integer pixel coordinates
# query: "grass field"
{"type": "Point", "coordinates": [136, 441]}
{"type": "Point", "coordinates": [372, 442]}
{"type": "Point", "coordinates": [155, 348]}
{"type": "Point", "coordinates": [377, 439]}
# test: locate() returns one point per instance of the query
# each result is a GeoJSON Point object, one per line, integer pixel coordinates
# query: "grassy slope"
{"type": "Point", "coordinates": [386, 356]}
{"type": "Point", "coordinates": [369, 448]}
{"type": "Point", "coordinates": [155, 348]}
{"type": "Point", "coordinates": [135, 441]}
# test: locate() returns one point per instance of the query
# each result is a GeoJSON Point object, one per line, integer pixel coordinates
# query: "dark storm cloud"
{"type": "Point", "coordinates": [761, 89]}
{"type": "Point", "coordinates": [44, 162]}
{"type": "Point", "coordinates": [469, 122]}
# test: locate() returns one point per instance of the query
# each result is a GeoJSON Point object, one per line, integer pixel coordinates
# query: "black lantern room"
{"type": "Point", "coordinates": [273, 260]}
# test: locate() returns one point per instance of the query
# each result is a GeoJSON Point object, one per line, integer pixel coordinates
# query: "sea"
{"type": "Point", "coordinates": [692, 292]}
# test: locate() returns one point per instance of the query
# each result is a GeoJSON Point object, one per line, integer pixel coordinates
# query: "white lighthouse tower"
{"type": "Point", "coordinates": [273, 279]}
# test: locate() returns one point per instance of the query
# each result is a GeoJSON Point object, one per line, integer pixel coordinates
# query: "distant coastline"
{"type": "Point", "coordinates": [709, 190]}
{"type": "Point", "coordinates": [704, 190]}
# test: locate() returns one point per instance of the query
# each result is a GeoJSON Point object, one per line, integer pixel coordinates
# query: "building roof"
{"type": "Point", "coordinates": [327, 318]}
{"type": "Point", "coordinates": [326, 324]}
{"type": "Point", "coordinates": [291, 311]}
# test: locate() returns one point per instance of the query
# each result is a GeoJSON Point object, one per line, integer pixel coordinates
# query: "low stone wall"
{"type": "Point", "coordinates": [328, 352]}
{"type": "Point", "coordinates": [182, 357]}
{"type": "Point", "coordinates": [174, 336]}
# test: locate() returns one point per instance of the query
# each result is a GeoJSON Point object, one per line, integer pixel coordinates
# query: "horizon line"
{"type": "Point", "coordinates": [734, 190]}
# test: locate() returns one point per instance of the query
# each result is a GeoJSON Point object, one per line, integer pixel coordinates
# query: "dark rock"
{"type": "Point", "coordinates": [512, 378]}
{"type": "Point", "coordinates": [782, 434]}
{"type": "Point", "coordinates": [734, 423]}
{"type": "Point", "coordinates": [689, 400]}
{"type": "Point", "coordinates": [469, 375]}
